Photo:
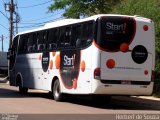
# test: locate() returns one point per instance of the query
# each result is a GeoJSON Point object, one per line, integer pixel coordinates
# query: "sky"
{"type": "Point", "coordinates": [33, 14]}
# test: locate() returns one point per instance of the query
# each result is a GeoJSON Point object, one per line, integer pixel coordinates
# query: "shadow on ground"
{"type": "Point", "coordinates": [116, 102]}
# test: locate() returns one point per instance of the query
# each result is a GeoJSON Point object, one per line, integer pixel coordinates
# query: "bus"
{"type": "Point", "coordinates": [102, 55]}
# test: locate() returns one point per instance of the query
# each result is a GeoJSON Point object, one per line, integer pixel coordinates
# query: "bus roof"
{"type": "Point", "coordinates": [64, 22]}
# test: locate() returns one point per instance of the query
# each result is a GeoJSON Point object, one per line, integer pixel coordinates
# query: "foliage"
{"type": "Point", "coordinates": [83, 8]}
{"type": "Point", "coordinates": [156, 89]}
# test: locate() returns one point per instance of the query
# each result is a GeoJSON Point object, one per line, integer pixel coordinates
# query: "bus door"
{"type": "Point", "coordinates": [12, 53]}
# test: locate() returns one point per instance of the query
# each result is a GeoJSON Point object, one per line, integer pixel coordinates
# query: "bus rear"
{"type": "Point", "coordinates": [125, 47]}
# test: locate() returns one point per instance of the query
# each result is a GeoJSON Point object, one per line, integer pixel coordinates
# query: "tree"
{"type": "Point", "coordinates": [83, 8]}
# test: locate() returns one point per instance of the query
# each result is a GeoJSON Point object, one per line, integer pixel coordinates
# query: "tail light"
{"type": "Point", "coordinates": [97, 73]}
{"type": "Point", "coordinates": [153, 75]}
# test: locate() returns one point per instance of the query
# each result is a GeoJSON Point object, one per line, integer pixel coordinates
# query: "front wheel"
{"type": "Point", "coordinates": [56, 91]}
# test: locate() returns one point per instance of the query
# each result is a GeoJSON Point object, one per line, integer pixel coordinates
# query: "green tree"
{"type": "Point", "coordinates": [78, 8]}
{"type": "Point", "coordinates": [146, 8]}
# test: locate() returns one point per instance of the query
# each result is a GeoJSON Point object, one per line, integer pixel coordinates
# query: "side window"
{"type": "Point", "coordinates": [64, 37]}
{"type": "Point", "coordinates": [79, 35]}
{"type": "Point", "coordinates": [85, 31]}
{"type": "Point", "coordinates": [87, 34]}
{"type": "Point", "coordinates": [52, 39]}
{"type": "Point", "coordinates": [76, 35]}
{"type": "Point", "coordinates": [68, 33]}
{"type": "Point", "coordinates": [90, 30]}
{"type": "Point", "coordinates": [40, 40]}
{"type": "Point", "coordinates": [45, 38]}
{"type": "Point", "coordinates": [61, 38]}
{"type": "Point", "coordinates": [23, 43]}
{"type": "Point", "coordinates": [31, 46]}
{"type": "Point", "coordinates": [30, 42]}
{"type": "Point", "coordinates": [35, 41]}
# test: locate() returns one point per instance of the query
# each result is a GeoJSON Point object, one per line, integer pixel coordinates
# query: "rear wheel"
{"type": "Point", "coordinates": [22, 89]}
{"type": "Point", "coordinates": [56, 91]}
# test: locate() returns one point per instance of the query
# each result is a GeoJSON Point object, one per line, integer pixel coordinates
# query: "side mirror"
{"type": "Point", "coordinates": [9, 53]}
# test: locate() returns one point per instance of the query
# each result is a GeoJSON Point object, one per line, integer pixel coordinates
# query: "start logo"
{"type": "Point", "coordinates": [69, 61]}
{"type": "Point", "coordinates": [115, 27]}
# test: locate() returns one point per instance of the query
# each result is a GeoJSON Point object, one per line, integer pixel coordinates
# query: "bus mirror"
{"type": "Point", "coordinates": [8, 55]}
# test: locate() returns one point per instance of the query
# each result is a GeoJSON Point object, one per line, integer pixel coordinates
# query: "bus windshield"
{"type": "Point", "coordinates": [115, 31]}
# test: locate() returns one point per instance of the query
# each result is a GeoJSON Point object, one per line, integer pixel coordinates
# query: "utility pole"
{"type": "Point", "coordinates": [2, 43]}
{"type": "Point", "coordinates": [11, 9]}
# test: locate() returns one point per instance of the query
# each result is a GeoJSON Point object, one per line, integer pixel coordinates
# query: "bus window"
{"type": "Point", "coordinates": [61, 38]}
{"type": "Point", "coordinates": [76, 35]}
{"type": "Point", "coordinates": [90, 30]}
{"type": "Point", "coordinates": [30, 43]}
{"type": "Point", "coordinates": [52, 39]}
{"type": "Point", "coordinates": [40, 41]}
{"type": "Point", "coordinates": [45, 38]}
{"type": "Point", "coordinates": [67, 37]}
{"type": "Point", "coordinates": [23, 44]}
{"type": "Point", "coordinates": [87, 34]}
{"type": "Point", "coordinates": [35, 41]}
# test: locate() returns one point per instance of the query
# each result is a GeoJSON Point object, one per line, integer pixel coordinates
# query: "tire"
{"type": "Point", "coordinates": [22, 90]}
{"type": "Point", "coordinates": [56, 91]}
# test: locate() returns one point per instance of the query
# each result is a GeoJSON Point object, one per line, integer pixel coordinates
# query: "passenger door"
{"type": "Point", "coordinates": [12, 59]}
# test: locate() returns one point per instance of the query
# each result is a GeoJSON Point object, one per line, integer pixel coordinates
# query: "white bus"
{"type": "Point", "coordinates": [100, 55]}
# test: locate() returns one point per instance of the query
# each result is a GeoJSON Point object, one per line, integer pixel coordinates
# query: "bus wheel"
{"type": "Point", "coordinates": [22, 89]}
{"type": "Point", "coordinates": [56, 91]}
